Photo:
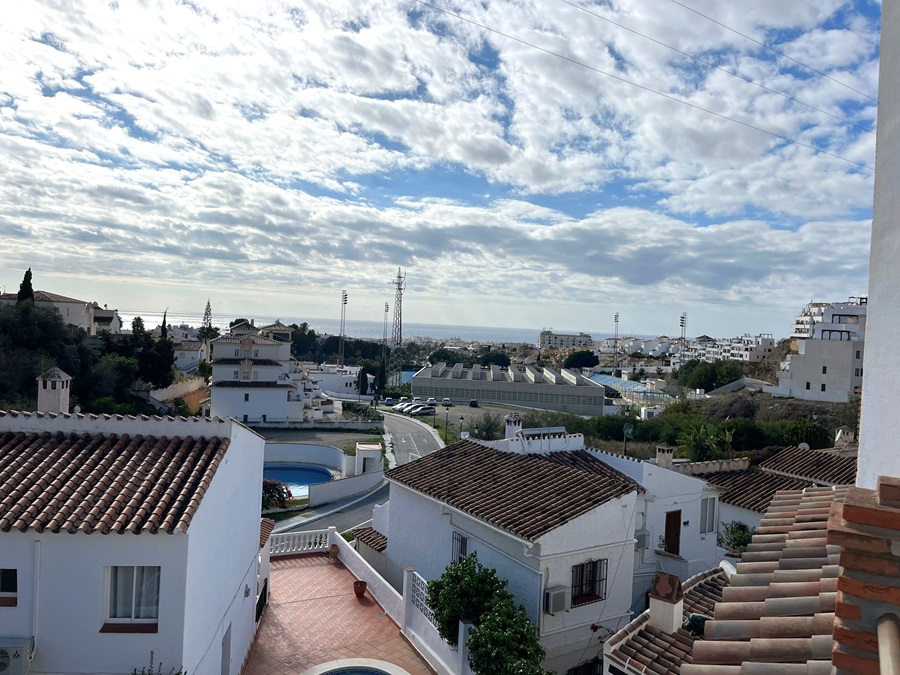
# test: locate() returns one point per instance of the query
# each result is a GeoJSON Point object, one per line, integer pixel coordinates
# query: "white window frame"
{"type": "Point", "coordinates": [708, 515]}
{"type": "Point", "coordinates": [108, 576]}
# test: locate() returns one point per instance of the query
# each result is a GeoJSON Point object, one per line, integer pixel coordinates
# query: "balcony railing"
{"type": "Point", "coordinates": [292, 543]}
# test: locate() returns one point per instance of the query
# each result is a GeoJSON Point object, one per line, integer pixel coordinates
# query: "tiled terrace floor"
{"type": "Point", "coordinates": [314, 617]}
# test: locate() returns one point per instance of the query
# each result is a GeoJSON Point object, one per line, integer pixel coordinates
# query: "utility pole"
{"type": "Point", "coordinates": [343, 317]}
{"type": "Point", "coordinates": [616, 346]}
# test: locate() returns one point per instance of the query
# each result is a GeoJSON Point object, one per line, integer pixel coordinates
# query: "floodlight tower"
{"type": "Point", "coordinates": [399, 283]}
{"type": "Point", "coordinates": [343, 318]}
{"type": "Point", "coordinates": [683, 323]}
{"type": "Point", "coordinates": [616, 346]}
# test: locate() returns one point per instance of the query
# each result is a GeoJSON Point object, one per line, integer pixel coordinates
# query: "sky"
{"type": "Point", "coordinates": [539, 164]}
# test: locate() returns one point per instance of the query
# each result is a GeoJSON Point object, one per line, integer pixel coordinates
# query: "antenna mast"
{"type": "Point", "coordinates": [396, 364]}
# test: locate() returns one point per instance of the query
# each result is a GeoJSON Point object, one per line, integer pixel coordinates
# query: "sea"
{"type": "Point", "coordinates": [366, 330]}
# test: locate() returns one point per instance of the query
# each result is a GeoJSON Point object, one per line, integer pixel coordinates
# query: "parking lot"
{"type": "Point", "coordinates": [470, 416]}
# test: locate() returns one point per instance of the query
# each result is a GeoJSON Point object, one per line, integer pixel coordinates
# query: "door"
{"type": "Point", "coordinates": [673, 532]}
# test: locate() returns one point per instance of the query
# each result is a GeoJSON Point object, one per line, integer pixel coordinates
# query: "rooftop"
{"type": "Point", "coordinates": [815, 465]}
{"type": "Point", "coordinates": [528, 495]}
{"type": "Point", "coordinates": [96, 482]}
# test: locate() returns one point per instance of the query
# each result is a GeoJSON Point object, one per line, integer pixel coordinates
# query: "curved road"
{"type": "Point", "coordinates": [411, 440]}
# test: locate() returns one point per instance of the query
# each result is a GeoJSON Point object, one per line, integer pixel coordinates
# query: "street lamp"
{"type": "Point", "coordinates": [460, 425]}
{"type": "Point", "coordinates": [446, 423]}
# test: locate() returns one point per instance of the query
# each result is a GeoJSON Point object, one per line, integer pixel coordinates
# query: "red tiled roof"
{"type": "Point", "coordinates": [266, 525]}
{"type": "Point", "coordinates": [642, 648]}
{"type": "Point", "coordinates": [527, 495]}
{"type": "Point", "coordinates": [103, 482]}
{"type": "Point", "coordinates": [777, 615]}
{"type": "Point", "coordinates": [815, 465]}
{"type": "Point", "coordinates": [751, 488]}
{"type": "Point", "coordinates": [371, 538]}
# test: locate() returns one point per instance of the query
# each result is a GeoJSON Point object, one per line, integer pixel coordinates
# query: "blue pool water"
{"type": "Point", "coordinates": [355, 671]}
{"type": "Point", "coordinates": [296, 476]}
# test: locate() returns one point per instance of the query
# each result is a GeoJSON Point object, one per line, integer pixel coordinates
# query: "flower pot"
{"type": "Point", "coordinates": [359, 587]}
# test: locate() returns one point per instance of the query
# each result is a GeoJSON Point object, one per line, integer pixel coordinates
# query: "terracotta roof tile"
{"type": "Point", "coordinates": [103, 482]}
{"type": "Point", "coordinates": [752, 488]}
{"type": "Point", "coordinates": [778, 614]}
{"type": "Point", "coordinates": [527, 495]}
{"type": "Point", "coordinates": [266, 525]}
{"type": "Point", "coordinates": [371, 538]}
{"type": "Point", "coordinates": [642, 648]}
{"type": "Point", "coordinates": [815, 465]}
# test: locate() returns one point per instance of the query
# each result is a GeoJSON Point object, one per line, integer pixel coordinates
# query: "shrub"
{"type": "Point", "coordinates": [158, 670]}
{"type": "Point", "coordinates": [505, 642]}
{"type": "Point", "coordinates": [464, 591]}
{"type": "Point", "coordinates": [735, 536]}
{"type": "Point", "coordinates": [275, 494]}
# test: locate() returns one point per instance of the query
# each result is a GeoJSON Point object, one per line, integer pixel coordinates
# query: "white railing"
{"type": "Point", "coordinates": [291, 543]}
{"type": "Point", "coordinates": [419, 588]}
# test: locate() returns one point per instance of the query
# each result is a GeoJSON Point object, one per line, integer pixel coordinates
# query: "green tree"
{"type": "Point", "coordinates": [362, 382]}
{"type": "Point", "coordinates": [207, 331]}
{"type": "Point", "coordinates": [380, 378]}
{"type": "Point", "coordinates": [204, 370]}
{"type": "Point", "coordinates": [464, 591]}
{"type": "Point", "coordinates": [235, 322]}
{"type": "Point", "coordinates": [495, 359]}
{"type": "Point", "coordinates": [26, 292]}
{"type": "Point", "coordinates": [700, 443]}
{"type": "Point", "coordinates": [581, 359]}
{"type": "Point", "coordinates": [304, 341]}
{"type": "Point", "coordinates": [804, 431]}
{"type": "Point", "coordinates": [505, 642]}
{"type": "Point", "coordinates": [490, 427]}
{"type": "Point", "coordinates": [735, 536]}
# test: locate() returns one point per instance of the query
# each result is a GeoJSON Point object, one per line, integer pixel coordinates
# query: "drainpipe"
{"type": "Point", "coordinates": [889, 644]}
{"type": "Point", "coordinates": [35, 599]}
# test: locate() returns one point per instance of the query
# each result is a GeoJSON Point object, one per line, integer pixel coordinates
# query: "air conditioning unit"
{"type": "Point", "coordinates": [556, 599]}
{"type": "Point", "coordinates": [643, 539]}
{"type": "Point", "coordinates": [16, 655]}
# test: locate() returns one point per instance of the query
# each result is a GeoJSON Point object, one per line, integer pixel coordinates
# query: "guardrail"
{"type": "Point", "coordinates": [292, 543]}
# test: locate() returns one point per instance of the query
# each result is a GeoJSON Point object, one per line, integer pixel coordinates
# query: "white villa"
{"type": "Point", "coordinates": [125, 536]}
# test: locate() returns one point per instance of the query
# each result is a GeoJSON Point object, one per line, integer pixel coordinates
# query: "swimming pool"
{"type": "Point", "coordinates": [356, 667]}
{"type": "Point", "coordinates": [297, 476]}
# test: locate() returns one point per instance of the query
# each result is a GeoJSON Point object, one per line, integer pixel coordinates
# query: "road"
{"type": "Point", "coordinates": [411, 439]}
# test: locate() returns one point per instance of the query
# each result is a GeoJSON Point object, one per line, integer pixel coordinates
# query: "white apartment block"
{"type": "Point", "coordinates": [828, 343]}
{"type": "Point", "coordinates": [550, 340]}
{"type": "Point", "coordinates": [746, 348]}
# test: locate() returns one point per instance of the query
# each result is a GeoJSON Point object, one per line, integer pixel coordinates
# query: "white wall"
{"type": "Point", "coordinates": [880, 425]}
{"type": "Point", "coordinates": [306, 453]}
{"type": "Point", "coordinates": [269, 402]}
{"type": "Point", "coordinates": [223, 553]}
{"type": "Point", "coordinates": [71, 602]}
{"type": "Point", "coordinates": [332, 491]}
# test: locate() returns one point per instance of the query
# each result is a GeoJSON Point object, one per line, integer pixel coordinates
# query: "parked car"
{"type": "Point", "coordinates": [473, 403]}
{"type": "Point", "coordinates": [414, 410]}
{"type": "Point", "coordinates": [431, 401]}
{"type": "Point", "coordinates": [424, 410]}
{"type": "Point", "coordinates": [446, 402]}
{"type": "Point", "coordinates": [417, 399]}
{"type": "Point", "coordinates": [403, 399]}
{"type": "Point", "coordinates": [401, 407]}
{"type": "Point", "coordinates": [389, 401]}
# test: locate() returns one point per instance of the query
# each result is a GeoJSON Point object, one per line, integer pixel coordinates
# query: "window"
{"type": "Point", "coordinates": [237, 352]}
{"type": "Point", "coordinates": [236, 374]}
{"type": "Point", "coordinates": [857, 353]}
{"type": "Point", "coordinates": [707, 515]}
{"type": "Point", "coordinates": [9, 587]}
{"type": "Point", "coordinates": [460, 547]}
{"type": "Point", "coordinates": [807, 385]}
{"type": "Point", "coordinates": [589, 582]}
{"type": "Point", "coordinates": [824, 370]}
{"type": "Point", "coordinates": [856, 372]}
{"type": "Point", "coordinates": [133, 600]}
{"type": "Point", "coordinates": [823, 386]}
{"type": "Point", "coordinates": [255, 374]}
{"type": "Point", "coordinates": [246, 397]}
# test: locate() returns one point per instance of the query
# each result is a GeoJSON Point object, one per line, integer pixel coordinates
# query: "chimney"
{"type": "Point", "coordinates": [666, 603]}
{"type": "Point", "coordinates": [513, 425]}
{"type": "Point", "coordinates": [664, 454]}
{"type": "Point", "coordinates": [54, 387]}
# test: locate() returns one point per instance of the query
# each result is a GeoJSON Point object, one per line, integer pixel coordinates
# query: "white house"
{"type": "Point", "coordinates": [676, 520]}
{"type": "Point", "coordinates": [122, 536]}
{"type": "Point", "coordinates": [554, 521]}
{"type": "Point", "coordinates": [550, 340]}
{"type": "Point", "coordinates": [189, 353]}
{"type": "Point", "coordinates": [74, 312]}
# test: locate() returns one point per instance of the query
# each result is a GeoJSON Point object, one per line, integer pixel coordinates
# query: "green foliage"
{"type": "Point", "coordinates": [304, 341]}
{"type": "Point", "coordinates": [275, 495]}
{"type": "Point", "coordinates": [701, 443]}
{"type": "Point", "coordinates": [26, 292]}
{"type": "Point", "coordinates": [451, 356]}
{"type": "Point", "coordinates": [505, 642]}
{"type": "Point", "coordinates": [158, 670]}
{"type": "Point", "coordinates": [581, 359]}
{"type": "Point", "coordinates": [204, 370]}
{"type": "Point", "coordinates": [735, 536]}
{"type": "Point", "coordinates": [207, 331]}
{"type": "Point", "coordinates": [495, 359]}
{"type": "Point", "coordinates": [701, 375]}
{"type": "Point", "coordinates": [362, 382]}
{"type": "Point", "coordinates": [804, 431]}
{"type": "Point", "coordinates": [235, 322]}
{"type": "Point", "coordinates": [490, 427]}
{"type": "Point", "coordinates": [380, 378]}
{"type": "Point", "coordinates": [465, 591]}
{"type": "Point", "coordinates": [362, 410]}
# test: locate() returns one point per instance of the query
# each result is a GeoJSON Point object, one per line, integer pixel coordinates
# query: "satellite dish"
{"type": "Point", "coordinates": [77, 410]}
{"type": "Point", "coordinates": [804, 446]}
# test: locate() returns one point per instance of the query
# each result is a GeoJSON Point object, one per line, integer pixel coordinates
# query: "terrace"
{"type": "Point", "coordinates": [314, 617]}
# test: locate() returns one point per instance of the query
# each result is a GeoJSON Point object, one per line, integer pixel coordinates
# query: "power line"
{"type": "Point", "coordinates": [713, 65]}
{"type": "Point", "coordinates": [648, 89]}
{"type": "Point", "coordinates": [816, 9]}
{"type": "Point", "coordinates": [773, 50]}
